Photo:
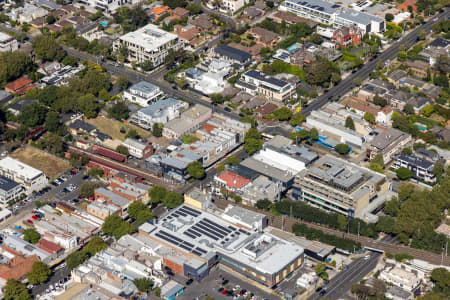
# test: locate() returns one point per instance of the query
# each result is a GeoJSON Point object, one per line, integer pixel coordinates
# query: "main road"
{"type": "Point", "coordinates": [347, 84]}
{"type": "Point", "coordinates": [342, 282]}
{"type": "Point", "coordinates": [134, 77]}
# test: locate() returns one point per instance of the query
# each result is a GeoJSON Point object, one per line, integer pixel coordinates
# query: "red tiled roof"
{"type": "Point", "coordinates": [266, 109]}
{"type": "Point", "coordinates": [404, 5]}
{"type": "Point", "coordinates": [49, 246]}
{"type": "Point", "coordinates": [233, 180]}
{"type": "Point", "coordinates": [17, 267]}
{"type": "Point", "coordinates": [18, 84]}
{"type": "Point", "coordinates": [109, 153]}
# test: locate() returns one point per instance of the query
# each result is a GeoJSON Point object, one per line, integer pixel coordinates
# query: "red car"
{"type": "Point", "coordinates": [224, 292]}
{"type": "Point", "coordinates": [29, 221]}
{"type": "Point", "coordinates": [35, 218]}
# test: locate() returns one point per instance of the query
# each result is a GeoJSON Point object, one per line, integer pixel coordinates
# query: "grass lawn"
{"type": "Point", "coordinates": [437, 118]}
{"type": "Point", "coordinates": [189, 139]}
{"type": "Point", "coordinates": [47, 163]}
{"type": "Point", "coordinates": [112, 127]}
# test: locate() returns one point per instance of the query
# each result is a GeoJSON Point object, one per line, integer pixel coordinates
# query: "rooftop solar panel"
{"type": "Point", "coordinates": [170, 236]}
{"type": "Point", "coordinates": [181, 210]}
{"type": "Point", "coordinates": [200, 250]}
{"type": "Point", "coordinates": [185, 247]}
{"type": "Point", "coordinates": [206, 233]}
{"type": "Point", "coordinates": [196, 253]}
{"type": "Point", "coordinates": [188, 244]}
{"type": "Point", "coordinates": [211, 231]}
{"type": "Point", "coordinates": [217, 225]}
{"type": "Point", "coordinates": [194, 211]}
{"type": "Point", "coordinates": [244, 232]}
{"type": "Point", "coordinates": [163, 237]}
{"type": "Point", "coordinates": [193, 232]}
{"type": "Point", "coordinates": [181, 213]}
{"type": "Point", "coordinates": [189, 235]}
{"type": "Point", "coordinates": [222, 232]}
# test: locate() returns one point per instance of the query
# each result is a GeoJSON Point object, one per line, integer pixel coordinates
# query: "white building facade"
{"type": "Point", "coordinates": [149, 43]}
{"type": "Point", "coordinates": [30, 178]}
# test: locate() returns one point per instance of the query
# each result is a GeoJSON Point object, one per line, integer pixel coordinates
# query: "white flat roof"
{"type": "Point", "coordinates": [150, 37]}
{"type": "Point", "coordinates": [19, 168]}
{"type": "Point", "coordinates": [200, 233]}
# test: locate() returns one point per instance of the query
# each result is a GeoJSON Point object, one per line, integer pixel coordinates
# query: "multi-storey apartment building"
{"type": "Point", "coordinates": [30, 178]}
{"type": "Point", "coordinates": [336, 185]}
{"type": "Point", "coordinates": [422, 169]}
{"type": "Point", "coordinates": [142, 93]}
{"type": "Point", "coordinates": [8, 43]}
{"type": "Point", "coordinates": [256, 82]}
{"type": "Point", "coordinates": [148, 43]}
{"type": "Point", "coordinates": [332, 14]}
{"type": "Point", "coordinates": [232, 6]}
{"type": "Point", "coordinates": [9, 190]}
{"type": "Point", "coordinates": [388, 143]}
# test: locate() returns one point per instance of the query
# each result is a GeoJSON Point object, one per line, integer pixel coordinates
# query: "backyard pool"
{"type": "Point", "coordinates": [104, 23]}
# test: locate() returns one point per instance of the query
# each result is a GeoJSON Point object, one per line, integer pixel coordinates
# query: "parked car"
{"type": "Point", "coordinates": [29, 221]}
{"type": "Point", "coordinates": [35, 218]}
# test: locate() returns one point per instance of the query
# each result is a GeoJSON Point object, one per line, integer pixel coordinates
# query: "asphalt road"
{"type": "Point", "coordinates": [347, 84]}
{"type": "Point", "coordinates": [342, 282]}
{"type": "Point", "coordinates": [58, 275]}
{"type": "Point", "coordinates": [134, 77]}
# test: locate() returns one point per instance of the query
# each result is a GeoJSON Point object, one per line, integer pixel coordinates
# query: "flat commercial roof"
{"type": "Point", "coordinates": [387, 137]}
{"type": "Point", "coordinates": [258, 75]}
{"type": "Point", "coordinates": [357, 16]}
{"type": "Point", "coordinates": [149, 37]}
{"type": "Point", "coordinates": [267, 170]}
{"type": "Point", "coordinates": [19, 168]}
{"type": "Point", "coordinates": [201, 233]}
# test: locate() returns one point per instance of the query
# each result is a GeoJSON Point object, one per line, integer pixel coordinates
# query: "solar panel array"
{"type": "Point", "coordinates": [203, 228]}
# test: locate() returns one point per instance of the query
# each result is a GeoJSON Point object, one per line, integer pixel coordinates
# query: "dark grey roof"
{"type": "Point", "coordinates": [78, 124]}
{"type": "Point", "coordinates": [7, 184]}
{"type": "Point", "coordinates": [102, 136]}
{"type": "Point", "coordinates": [414, 160]}
{"type": "Point", "coordinates": [439, 43]}
{"type": "Point", "coordinates": [427, 153]}
{"type": "Point", "coordinates": [263, 77]}
{"type": "Point", "coordinates": [418, 102]}
{"type": "Point", "coordinates": [19, 105]}
{"type": "Point", "coordinates": [233, 53]}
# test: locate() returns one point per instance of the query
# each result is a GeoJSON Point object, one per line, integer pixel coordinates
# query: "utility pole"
{"type": "Point", "coordinates": [290, 211]}
{"type": "Point", "coordinates": [358, 228]}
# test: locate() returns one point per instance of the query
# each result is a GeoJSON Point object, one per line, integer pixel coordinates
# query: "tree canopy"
{"type": "Point", "coordinates": [46, 48]}
{"type": "Point", "coordinates": [115, 226]}
{"type": "Point", "coordinates": [39, 273]}
{"type": "Point", "coordinates": [140, 212]}
{"type": "Point", "coordinates": [87, 189]}
{"type": "Point", "coordinates": [252, 141]}
{"type": "Point", "coordinates": [342, 148]}
{"type": "Point", "coordinates": [31, 236]}
{"type": "Point", "coordinates": [14, 290]}
{"type": "Point", "coordinates": [196, 170]}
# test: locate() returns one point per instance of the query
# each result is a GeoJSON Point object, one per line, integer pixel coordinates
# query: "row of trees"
{"type": "Point", "coordinates": [314, 234]}
{"type": "Point", "coordinates": [95, 245]}
{"type": "Point", "coordinates": [415, 213]}
{"type": "Point", "coordinates": [311, 214]}
{"type": "Point", "coordinates": [159, 194]}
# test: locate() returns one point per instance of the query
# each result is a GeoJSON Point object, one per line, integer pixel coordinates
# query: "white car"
{"type": "Point", "coordinates": [366, 257]}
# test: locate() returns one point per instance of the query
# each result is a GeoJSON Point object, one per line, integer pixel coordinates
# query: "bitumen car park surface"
{"type": "Point", "coordinates": [211, 285]}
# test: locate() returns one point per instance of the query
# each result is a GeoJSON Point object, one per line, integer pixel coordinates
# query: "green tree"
{"type": "Point", "coordinates": [404, 173]}
{"type": "Point", "coordinates": [320, 270]}
{"type": "Point", "coordinates": [33, 115]}
{"type": "Point", "coordinates": [378, 159]}
{"type": "Point", "coordinates": [75, 259]}
{"type": "Point", "coordinates": [369, 117]}
{"type": "Point", "coordinates": [122, 83]}
{"type": "Point", "coordinates": [252, 141]}
{"type": "Point", "coordinates": [314, 134]}
{"type": "Point", "coordinates": [122, 150]}
{"type": "Point", "coordinates": [342, 149]}
{"type": "Point", "coordinates": [111, 224]}
{"type": "Point", "coordinates": [147, 66]}
{"type": "Point", "coordinates": [39, 273]}
{"type": "Point", "coordinates": [95, 172]}
{"type": "Point", "coordinates": [14, 290]}
{"type": "Point", "coordinates": [232, 160]}
{"type": "Point", "coordinates": [282, 113]}
{"type": "Point", "coordinates": [104, 95]}
{"type": "Point", "coordinates": [133, 134]}
{"type": "Point", "coordinates": [196, 170]}
{"type": "Point", "coordinates": [316, 38]}
{"type": "Point", "coordinates": [409, 109]}
{"type": "Point", "coordinates": [157, 194]}
{"type": "Point", "coordinates": [52, 121]}
{"type": "Point", "coordinates": [172, 199]}
{"type": "Point", "coordinates": [421, 35]}
{"type": "Point", "coordinates": [31, 236]}
{"type": "Point", "coordinates": [140, 212]}
{"type": "Point", "coordinates": [157, 129]}
{"type": "Point", "coordinates": [379, 101]}
{"type": "Point", "coordinates": [47, 48]}
{"type": "Point", "coordinates": [441, 280]}
{"type": "Point", "coordinates": [119, 111]}
{"type": "Point", "coordinates": [263, 204]}
{"type": "Point", "coordinates": [392, 207]}
{"type": "Point", "coordinates": [439, 170]}
{"type": "Point", "coordinates": [389, 17]}
{"type": "Point", "coordinates": [385, 224]}
{"type": "Point", "coordinates": [144, 285]}
{"type": "Point", "coordinates": [87, 189]}
{"type": "Point", "coordinates": [157, 292]}
{"type": "Point", "coordinates": [349, 123]}
{"type": "Point", "coordinates": [297, 119]}
{"type": "Point", "coordinates": [88, 105]}
{"type": "Point", "coordinates": [318, 71]}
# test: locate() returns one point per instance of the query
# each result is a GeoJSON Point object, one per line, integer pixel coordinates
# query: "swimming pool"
{"type": "Point", "coordinates": [292, 48]}
{"type": "Point", "coordinates": [104, 23]}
